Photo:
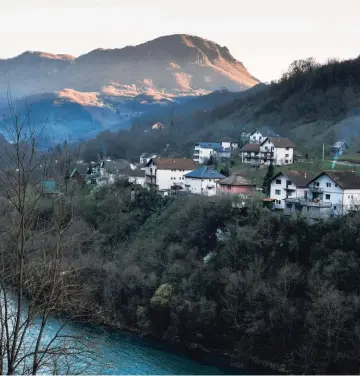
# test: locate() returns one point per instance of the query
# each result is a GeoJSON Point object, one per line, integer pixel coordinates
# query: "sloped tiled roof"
{"type": "Point", "coordinates": [344, 179]}
{"type": "Point", "coordinates": [251, 148]}
{"type": "Point", "coordinates": [173, 163]}
{"type": "Point", "coordinates": [280, 142]}
{"type": "Point", "coordinates": [205, 173]}
{"type": "Point", "coordinates": [298, 178]}
{"type": "Point", "coordinates": [236, 180]}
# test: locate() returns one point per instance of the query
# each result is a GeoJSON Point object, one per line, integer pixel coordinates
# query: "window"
{"type": "Point", "coordinates": [327, 197]}
{"type": "Point", "coordinates": [286, 148]}
{"type": "Point", "coordinates": [286, 155]}
{"type": "Point", "coordinates": [278, 181]}
{"type": "Point", "coordinates": [286, 161]}
{"type": "Point", "coordinates": [336, 185]}
{"type": "Point", "coordinates": [334, 207]}
{"type": "Point", "coordinates": [328, 185]}
{"type": "Point", "coordinates": [316, 184]}
{"type": "Point", "coordinates": [278, 192]}
{"type": "Point", "coordinates": [277, 202]}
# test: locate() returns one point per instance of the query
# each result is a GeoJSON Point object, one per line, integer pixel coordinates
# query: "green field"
{"type": "Point", "coordinates": [350, 157]}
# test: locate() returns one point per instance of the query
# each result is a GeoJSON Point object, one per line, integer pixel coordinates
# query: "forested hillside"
{"type": "Point", "coordinates": [253, 284]}
{"type": "Point", "coordinates": [311, 104]}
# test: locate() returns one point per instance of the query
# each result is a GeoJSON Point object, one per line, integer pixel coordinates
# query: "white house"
{"type": "Point", "coordinates": [167, 173]}
{"type": "Point", "coordinates": [289, 184]}
{"type": "Point", "coordinates": [256, 137]}
{"type": "Point", "coordinates": [204, 150]}
{"type": "Point", "coordinates": [229, 143]}
{"type": "Point", "coordinates": [331, 193]}
{"type": "Point", "coordinates": [203, 181]}
{"type": "Point", "coordinates": [136, 176]}
{"type": "Point", "coordinates": [277, 150]}
{"type": "Point", "coordinates": [96, 173]}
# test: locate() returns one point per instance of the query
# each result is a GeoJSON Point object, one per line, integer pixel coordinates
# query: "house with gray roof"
{"type": "Point", "coordinates": [339, 148]}
{"type": "Point", "coordinates": [236, 184]}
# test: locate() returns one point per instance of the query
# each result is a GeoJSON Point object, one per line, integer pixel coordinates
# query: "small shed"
{"type": "Point", "coordinates": [339, 148]}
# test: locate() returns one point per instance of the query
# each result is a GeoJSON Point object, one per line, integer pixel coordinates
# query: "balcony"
{"type": "Point", "coordinates": [316, 189]}
{"type": "Point", "coordinates": [290, 187]}
{"type": "Point", "coordinates": [309, 203]}
{"type": "Point", "coordinates": [268, 155]}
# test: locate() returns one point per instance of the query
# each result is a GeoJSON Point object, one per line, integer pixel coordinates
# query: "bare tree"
{"type": "Point", "coordinates": [35, 277]}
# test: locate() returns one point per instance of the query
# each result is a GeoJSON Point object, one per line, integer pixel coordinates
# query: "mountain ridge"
{"type": "Point", "coordinates": [123, 82]}
{"type": "Point", "coordinates": [186, 63]}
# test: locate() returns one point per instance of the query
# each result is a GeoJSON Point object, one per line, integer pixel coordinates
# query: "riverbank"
{"type": "Point", "coordinates": [231, 362]}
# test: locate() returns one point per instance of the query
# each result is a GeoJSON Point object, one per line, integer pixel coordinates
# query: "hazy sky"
{"type": "Point", "coordinates": [266, 35]}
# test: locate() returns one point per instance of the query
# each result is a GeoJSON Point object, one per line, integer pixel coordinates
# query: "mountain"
{"type": "Point", "coordinates": [106, 87]}
{"type": "Point", "coordinates": [175, 64]}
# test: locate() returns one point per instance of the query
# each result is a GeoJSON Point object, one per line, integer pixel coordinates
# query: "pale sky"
{"type": "Point", "coordinates": [266, 35]}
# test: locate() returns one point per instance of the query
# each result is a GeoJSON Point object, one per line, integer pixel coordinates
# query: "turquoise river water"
{"type": "Point", "coordinates": [122, 353]}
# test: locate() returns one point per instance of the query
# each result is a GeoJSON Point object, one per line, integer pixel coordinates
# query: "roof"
{"type": "Point", "coordinates": [209, 145]}
{"type": "Point", "coordinates": [254, 132]}
{"type": "Point", "coordinates": [344, 179]}
{"type": "Point", "coordinates": [251, 148]}
{"type": "Point", "coordinates": [236, 180]}
{"type": "Point", "coordinates": [204, 173]}
{"type": "Point", "coordinates": [298, 178]}
{"type": "Point", "coordinates": [280, 142]}
{"type": "Point", "coordinates": [173, 163]}
{"type": "Point", "coordinates": [132, 173]}
{"type": "Point", "coordinates": [339, 144]}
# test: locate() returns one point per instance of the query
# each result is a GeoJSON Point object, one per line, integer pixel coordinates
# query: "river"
{"type": "Point", "coordinates": [123, 353]}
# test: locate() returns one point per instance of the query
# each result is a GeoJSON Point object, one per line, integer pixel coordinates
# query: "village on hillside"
{"type": "Point", "coordinates": [265, 168]}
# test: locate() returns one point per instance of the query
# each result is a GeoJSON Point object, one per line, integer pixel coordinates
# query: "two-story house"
{"type": "Point", "coordinates": [164, 174]}
{"type": "Point", "coordinates": [250, 153]}
{"type": "Point", "coordinates": [277, 150]}
{"type": "Point", "coordinates": [289, 184]}
{"type": "Point", "coordinates": [256, 137]}
{"type": "Point", "coordinates": [229, 143]}
{"type": "Point", "coordinates": [331, 193]}
{"type": "Point", "coordinates": [203, 181]}
{"type": "Point", "coordinates": [203, 151]}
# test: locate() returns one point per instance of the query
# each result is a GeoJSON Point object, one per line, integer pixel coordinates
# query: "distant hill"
{"type": "Point", "coordinates": [128, 81]}
{"type": "Point", "coordinates": [311, 104]}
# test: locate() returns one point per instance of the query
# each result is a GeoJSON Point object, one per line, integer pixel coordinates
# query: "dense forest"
{"type": "Point", "coordinates": [250, 283]}
{"type": "Point", "coordinates": [311, 103]}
